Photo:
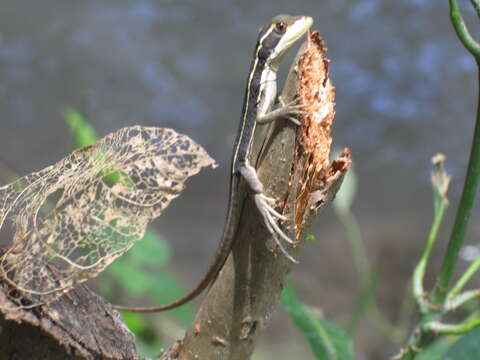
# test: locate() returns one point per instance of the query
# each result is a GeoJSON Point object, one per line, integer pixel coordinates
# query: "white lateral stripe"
{"type": "Point", "coordinates": [247, 96]}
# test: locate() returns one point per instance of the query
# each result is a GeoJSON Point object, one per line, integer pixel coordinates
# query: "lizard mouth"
{"type": "Point", "coordinates": [294, 32]}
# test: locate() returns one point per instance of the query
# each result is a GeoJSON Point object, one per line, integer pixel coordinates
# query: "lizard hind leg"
{"type": "Point", "coordinates": [270, 221]}
{"type": "Point", "coordinates": [269, 214]}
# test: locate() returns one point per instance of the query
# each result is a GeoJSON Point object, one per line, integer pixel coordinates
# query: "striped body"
{"type": "Point", "coordinates": [258, 99]}
{"type": "Point", "coordinates": [260, 94]}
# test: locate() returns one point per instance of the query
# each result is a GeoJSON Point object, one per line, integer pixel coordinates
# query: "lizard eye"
{"type": "Point", "coordinates": [280, 27]}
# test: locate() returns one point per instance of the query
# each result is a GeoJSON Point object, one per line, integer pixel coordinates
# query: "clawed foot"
{"type": "Point", "coordinates": [293, 109]}
{"type": "Point", "coordinates": [270, 218]}
{"type": "Point", "coordinates": [288, 111]}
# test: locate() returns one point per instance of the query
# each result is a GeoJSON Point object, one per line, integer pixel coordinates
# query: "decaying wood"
{"type": "Point", "coordinates": [294, 167]}
{"type": "Point", "coordinates": [79, 325]}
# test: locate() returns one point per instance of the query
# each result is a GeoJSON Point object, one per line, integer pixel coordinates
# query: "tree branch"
{"type": "Point", "coordinates": [242, 300]}
{"type": "Point", "coordinates": [79, 325]}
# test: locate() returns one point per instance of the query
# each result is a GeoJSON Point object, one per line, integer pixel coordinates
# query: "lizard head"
{"type": "Point", "coordinates": [278, 37]}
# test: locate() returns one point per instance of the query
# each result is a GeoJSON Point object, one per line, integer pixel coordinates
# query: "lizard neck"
{"type": "Point", "coordinates": [259, 95]}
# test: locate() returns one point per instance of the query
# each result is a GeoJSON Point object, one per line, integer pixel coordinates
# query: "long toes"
{"type": "Point", "coordinates": [267, 199]}
{"type": "Point", "coordinates": [278, 243]}
{"type": "Point", "coordinates": [280, 233]}
{"type": "Point", "coordinates": [268, 203]}
{"type": "Point", "coordinates": [295, 121]}
{"type": "Point", "coordinates": [298, 106]}
{"type": "Point", "coordinates": [294, 102]}
{"type": "Point", "coordinates": [275, 213]}
{"type": "Point", "coordinates": [277, 229]}
{"type": "Point", "coordinates": [293, 106]}
{"type": "Point", "coordinates": [285, 253]}
{"type": "Point", "coordinates": [271, 216]}
{"type": "Point", "coordinates": [299, 112]}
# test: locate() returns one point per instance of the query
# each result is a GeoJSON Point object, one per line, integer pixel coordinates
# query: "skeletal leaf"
{"type": "Point", "coordinates": [70, 220]}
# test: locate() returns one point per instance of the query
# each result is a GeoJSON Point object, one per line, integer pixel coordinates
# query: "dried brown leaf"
{"type": "Point", "coordinates": [94, 219]}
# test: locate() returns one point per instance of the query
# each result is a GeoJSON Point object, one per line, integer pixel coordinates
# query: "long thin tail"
{"type": "Point", "coordinates": [202, 285]}
{"type": "Point", "coordinates": [219, 260]}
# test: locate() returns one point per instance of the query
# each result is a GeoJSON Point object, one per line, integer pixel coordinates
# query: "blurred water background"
{"type": "Point", "coordinates": [405, 90]}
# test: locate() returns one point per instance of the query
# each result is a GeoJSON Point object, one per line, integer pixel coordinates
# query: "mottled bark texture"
{"type": "Point", "coordinates": [79, 325]}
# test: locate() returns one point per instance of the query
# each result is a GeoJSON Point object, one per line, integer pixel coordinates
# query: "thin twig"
{"type": "Point", "coordinates": [467, 275]}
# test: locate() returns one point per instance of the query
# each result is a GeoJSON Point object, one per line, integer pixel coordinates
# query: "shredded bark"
{"type": "Point", "coordinates": [316, 92]}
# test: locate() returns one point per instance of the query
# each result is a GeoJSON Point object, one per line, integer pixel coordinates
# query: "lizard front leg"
{"type": "Point", "coordinates": [288, 111]}
{"type": "Point", "coordinates": [264, 205]}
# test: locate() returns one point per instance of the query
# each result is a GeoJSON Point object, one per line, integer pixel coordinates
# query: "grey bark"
{"type": "Point", "coordinates": [79, 325]}
{"type": "Point", "coordinates": [241, 302]}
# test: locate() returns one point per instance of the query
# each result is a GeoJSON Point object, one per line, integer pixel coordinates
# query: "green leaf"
{"type": "Point", "coordinates": [135, 322]}
{"type": "Point", "coordinates": [310, 238]}
{"type": "Point", "coordinates": [153, 249]}
{"type": "Point", "coordinates": [436, 350]}
{"type": "Point", "coordinates": [105, 286]}
{"type": "Point", "coordinates": [328, 341]}
{"type": "Point", "coordinates": [368, 292]}
{"type": "Point", "coordinates": [165, 289]}
{"type": "Point", "coordinates": [148, 350]}
{"type": "Point", "coordinates": [130, 276]}
{"type": "Point", "coordinates": [145, 336]}
{"type": "Point", "coordinates": [83, 133]}
{"type": "Point", "coordinates": [345, 196]}
{"type": "Point", "coordinates": [467, 347]}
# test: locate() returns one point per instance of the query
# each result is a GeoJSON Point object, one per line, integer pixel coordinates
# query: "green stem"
{"type": "Point", "coordinates": [368, 280]}
{"type": "Point", "coordinates": [422, 334]}
{"type": "Point", "coordinates": [476, 6]}
{"type": "Point", "coordinates": [471, 180]}
{"type": "Point", "coordinates": [471, 270]}
{"type": "Point", "coordinates": [354, 237]}
{"type": "Point", "coordinates": [455, 302]}
{"type": "Point", "coordinates": [406, 310]}
{"type": "Point", "coordinates": [418, 274]}
{"type": "Point", "coordinates": [367, 294]}
{"type": "Point", "coordinates": [453, 329]}
{"type": "Point", "coordinates": [461, 29]}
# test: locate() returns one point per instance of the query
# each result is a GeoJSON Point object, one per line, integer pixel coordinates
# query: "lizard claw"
{"type": "Point", "coordinates": [289, 111]}
{"type": "Point", "coordinates": [270, 218]}
{"type": "Point", "coordinates": [268, 203]}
